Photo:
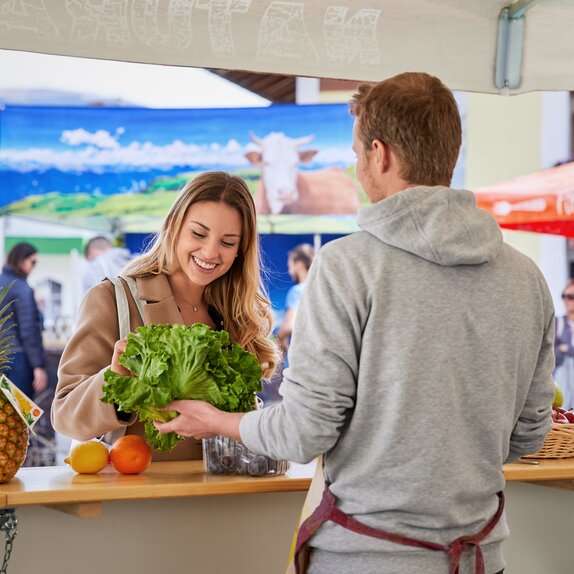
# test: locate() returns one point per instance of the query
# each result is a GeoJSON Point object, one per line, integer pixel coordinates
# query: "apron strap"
{"type": "Point", "coordinates": [328, 511]}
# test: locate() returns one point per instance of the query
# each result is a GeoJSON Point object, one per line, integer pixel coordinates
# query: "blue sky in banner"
{"type": "Point", "coordinates": [115, 150]}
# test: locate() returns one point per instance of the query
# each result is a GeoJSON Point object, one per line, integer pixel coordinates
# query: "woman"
{"type": "Point", "coordinates": [28, 364]}
{"type": "Point", "coordinates": [203, 267]}
{"type": "Point", "coordinates": [564, 347]}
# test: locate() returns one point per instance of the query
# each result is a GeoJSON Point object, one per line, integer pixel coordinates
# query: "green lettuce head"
{"type": "Point", "coordinates": [173, 362]}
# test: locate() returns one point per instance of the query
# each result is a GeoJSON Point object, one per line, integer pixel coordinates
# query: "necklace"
{"type": "Point", "coordinates": [193, 306]}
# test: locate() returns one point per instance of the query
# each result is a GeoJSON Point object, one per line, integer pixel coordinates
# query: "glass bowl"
{"type": "Point", "coordinates": [222, 455]}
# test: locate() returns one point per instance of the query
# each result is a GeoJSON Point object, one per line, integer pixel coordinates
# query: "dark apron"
{"type": "Point", "coordinates": [328, 511]}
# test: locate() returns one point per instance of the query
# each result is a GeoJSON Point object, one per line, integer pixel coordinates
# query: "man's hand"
{"type": "Point", "coordinates": [199, 419]}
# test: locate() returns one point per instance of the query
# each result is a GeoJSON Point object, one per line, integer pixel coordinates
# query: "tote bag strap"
{"type": "Point", "coordinates": [122, 303]}
{"type": "Point", "coordinates": [124, 327]}
{"type": "Point", "coordinates": [131, 283]}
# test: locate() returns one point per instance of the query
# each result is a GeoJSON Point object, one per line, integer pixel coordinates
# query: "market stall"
{"type": "Point", "coordinates": [177, 515]}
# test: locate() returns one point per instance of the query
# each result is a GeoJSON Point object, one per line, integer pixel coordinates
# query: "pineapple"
{"type": "Point", "coordinates": [13, 431]}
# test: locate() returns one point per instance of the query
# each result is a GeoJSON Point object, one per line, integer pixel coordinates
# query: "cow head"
{"type": "Point", "coordinates": [279, 158]}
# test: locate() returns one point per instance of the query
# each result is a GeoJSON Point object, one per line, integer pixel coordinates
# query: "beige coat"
{"type": "Point", "coordinates": [77, 410]}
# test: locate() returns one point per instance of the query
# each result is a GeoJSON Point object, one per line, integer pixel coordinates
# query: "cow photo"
{"type": "Point", "coordinates": [285, 189]}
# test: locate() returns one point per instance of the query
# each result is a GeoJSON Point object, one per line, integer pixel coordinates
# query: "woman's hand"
{"type": "Point", "coordinates": [119, 350]}
{"type": "Point", "coordinates": [40, 381]}
{"type": "Point", "coordinates": [199, 419]}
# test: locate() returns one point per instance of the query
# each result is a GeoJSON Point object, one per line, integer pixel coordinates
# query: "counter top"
{"type": "Point", "coordinates": [59, 485]}
{"type": "Point", "coordinates": [547, 470]}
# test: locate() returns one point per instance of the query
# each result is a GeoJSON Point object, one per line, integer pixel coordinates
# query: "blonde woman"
{"type": "Point", "coordinates": [203, 267]}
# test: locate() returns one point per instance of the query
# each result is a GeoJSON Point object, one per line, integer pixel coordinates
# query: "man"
{"type": "Point", "coordinates": [299, 261]}
{"type": "Point", "coordinates": [421, 359]}
{"type": "Point", "coordinates": [104, 260]}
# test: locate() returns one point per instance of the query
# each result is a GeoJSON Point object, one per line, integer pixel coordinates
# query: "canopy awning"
{"type": "Point", "coordinates": [483, 46]}
{"type": "Point", "coordinates": [542, 202]}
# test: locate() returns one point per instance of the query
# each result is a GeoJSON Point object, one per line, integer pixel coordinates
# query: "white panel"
{"type": "Point", "coordinates": [368, 40]}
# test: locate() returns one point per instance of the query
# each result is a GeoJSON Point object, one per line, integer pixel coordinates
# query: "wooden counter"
{"type": "Point", "coordinates": [172, 517]}
{"type": "Point", "coordinates": [61, 485]}
{"type": "Point", "coordinates": [547, 470]}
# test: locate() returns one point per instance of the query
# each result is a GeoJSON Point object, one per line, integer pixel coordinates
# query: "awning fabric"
{"type": "Point", "coordinates": [368, 40]}
{"type": "Point", "coordinates": [542, 202]}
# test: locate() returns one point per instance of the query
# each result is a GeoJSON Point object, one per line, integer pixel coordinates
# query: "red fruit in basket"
{"type": "Point", "coordinates": [559, 417]}
{"type": "Point", "coordinates": [570, 416]}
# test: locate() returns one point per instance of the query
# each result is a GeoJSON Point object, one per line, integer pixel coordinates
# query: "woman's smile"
{"type": "Point", "coordinates": [202, 264]}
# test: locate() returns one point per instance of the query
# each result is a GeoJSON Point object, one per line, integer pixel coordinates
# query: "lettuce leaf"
{"type": "Point", "coordinates": [172, 362]}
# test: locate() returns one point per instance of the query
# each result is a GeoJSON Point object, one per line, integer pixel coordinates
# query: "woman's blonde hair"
{"type": "Point", "coordinates": [239, 295]}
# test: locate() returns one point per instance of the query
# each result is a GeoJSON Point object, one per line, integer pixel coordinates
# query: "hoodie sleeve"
{"type": "Point", "coordinates": [319, 387]}
{"type": "Point", "coordinates": [534, 421]}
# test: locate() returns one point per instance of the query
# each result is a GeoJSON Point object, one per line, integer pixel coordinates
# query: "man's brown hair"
{"type": "Point", "coordinates": [416, 115]}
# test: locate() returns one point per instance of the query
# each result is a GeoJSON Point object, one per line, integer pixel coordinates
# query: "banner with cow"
{"type": "Point", "coordinates": [123, 163]}
{"type": "Point", "coordinates": [127, 164]}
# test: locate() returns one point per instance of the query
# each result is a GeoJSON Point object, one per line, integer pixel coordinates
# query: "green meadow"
{"type": "Point", "coordinates": [154, 202]}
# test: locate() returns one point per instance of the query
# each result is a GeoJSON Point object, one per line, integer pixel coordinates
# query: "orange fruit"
{"type": "Point", "coordinates": [130, 454]}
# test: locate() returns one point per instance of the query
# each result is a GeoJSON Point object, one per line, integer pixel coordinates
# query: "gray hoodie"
{"type": "Point", "coordinates": [421, 361]}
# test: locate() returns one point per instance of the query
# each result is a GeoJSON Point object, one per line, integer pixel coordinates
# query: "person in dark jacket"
{"type": "Point", "coordinates": [28, 363]}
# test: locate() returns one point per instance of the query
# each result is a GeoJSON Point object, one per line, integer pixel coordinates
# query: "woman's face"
{"type": "Point", "coordinates": [208, 241]}
{"type": "Point", "coordinates": [26, 265]}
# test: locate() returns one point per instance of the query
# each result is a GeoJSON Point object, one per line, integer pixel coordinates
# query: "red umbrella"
{"type": "Point", "coordinates": [542, 202]}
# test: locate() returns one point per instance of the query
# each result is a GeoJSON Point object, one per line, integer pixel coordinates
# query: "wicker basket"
{"type": "Point", "coordinates": [559, 443]}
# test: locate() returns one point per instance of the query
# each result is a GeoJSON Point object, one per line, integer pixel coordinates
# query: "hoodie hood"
{"type": "Point", "coordinates": [439, 224]}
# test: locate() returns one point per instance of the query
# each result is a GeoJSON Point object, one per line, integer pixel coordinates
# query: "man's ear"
{"type": "Point", "coordinates": [382, 153]}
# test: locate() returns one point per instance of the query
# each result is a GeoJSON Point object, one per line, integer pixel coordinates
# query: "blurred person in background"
{"type": "Point", "coordinates": [564, 347]}
{"type": "Point", "coordinates": [104, 260]}
{"type": "Point", "coordinates": [28, 363]}
{"type": "Point", "coordinates": [299, 261]}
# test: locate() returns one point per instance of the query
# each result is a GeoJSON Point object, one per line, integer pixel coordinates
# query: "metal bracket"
{"type": "Point", "coordinates": [510, 44]}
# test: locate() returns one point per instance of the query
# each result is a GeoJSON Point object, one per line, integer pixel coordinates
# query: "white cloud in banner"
{"type": "Point", "coordinates": [100, 138]}
{"type": "Point", "coordinates": [335, 156]}
{"type": "Point", "coordinates": [102, 155]}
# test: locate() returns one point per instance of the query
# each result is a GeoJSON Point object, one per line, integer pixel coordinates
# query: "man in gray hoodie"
{"type": "Point", "coordinates": [421, 359]}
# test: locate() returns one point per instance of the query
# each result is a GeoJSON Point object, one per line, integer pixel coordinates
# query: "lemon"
{"type": "Point", "coordinates": [88, 457]}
